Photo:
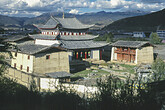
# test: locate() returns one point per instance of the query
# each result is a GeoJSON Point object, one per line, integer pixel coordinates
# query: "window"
{"type": "Point", "coordinates": [72, 33]}
{"type": "Point", "coordinates": [15, 54]}
{"type": "Point", "coordinates": [21, 67]}
{"type": "Point", "coordinates": [27, 69]}
{"type": "Point", "coordinates": [28, 57]}
{"type": "Point", "coordinates": [47, 57]}
{"type": "Point", "coordinates": [64, 33]}
{"type": "Point", "coordinates": [15, 65]}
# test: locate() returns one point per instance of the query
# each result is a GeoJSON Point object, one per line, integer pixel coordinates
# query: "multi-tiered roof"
{"type": "Point", "coordinates": [71, 33]}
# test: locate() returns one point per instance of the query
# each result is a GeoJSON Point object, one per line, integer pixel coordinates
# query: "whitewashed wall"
{"type": "Point", "coordinates": [46, 42]}
{"type": "Point", "coordinates": [95, 54]}
{"type": "Point", "coordinates": [22, 59]}
{"type": "Point", "coordinates": [48, 84]}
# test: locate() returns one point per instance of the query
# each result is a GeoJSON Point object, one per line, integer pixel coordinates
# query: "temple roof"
{"type": "Point", "coordinates": [77, 37]}
{"type": "Point", "coordinates": [41, 36]}
{"type": "Point", "coordinates": [68, 23]}
{"type": "Point", "coordinates": [63, 37]}
{"type": "Point", "coordinates": [133, 44]}
{"type": "Point", "coordinates": [81, 44]}
{"type": "Point", "coordinates": [51, 23]}
{"type": "Point", "coordinates": [72, 23]}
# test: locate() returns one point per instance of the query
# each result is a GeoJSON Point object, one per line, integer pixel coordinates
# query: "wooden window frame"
{"type": "Point", "coordinates": [47, 57]}
{"type": "Point", "coordinates": [21, 67]}
{"type": "Point", "coordinates": [28, 57]}
{"type": "Point", "coordinates": [27, 68]}
{"type": "Point", "coordinates": [15, 65]}
{"type": "Point", "coordinates": [15, 54]}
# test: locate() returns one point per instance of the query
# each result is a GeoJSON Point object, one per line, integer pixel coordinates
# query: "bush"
{"type": "Point", "coordinates": [154, 38]}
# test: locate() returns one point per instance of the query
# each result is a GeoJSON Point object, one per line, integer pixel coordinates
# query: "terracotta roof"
{"type": "Point", "coordinates": [133, 44]}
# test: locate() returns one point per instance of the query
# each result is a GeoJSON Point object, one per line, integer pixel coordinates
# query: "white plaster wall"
{"type": "Point", "coordinates": [48, 83]}
{"type": "Point", "coordinates": [112, 54]}
{"type": "Point", "coordinates": [95, 54]}
{"type": "Point", "coordinates": [46, 42]}
{"type": "Point", "coordinates": [22, 59]}
{"type": "Point", "coordinates": [139, 34]}
{"type": "Point", "coordinates": [136, 56]}
{"type": "Point", "coordinates": [52, 84]}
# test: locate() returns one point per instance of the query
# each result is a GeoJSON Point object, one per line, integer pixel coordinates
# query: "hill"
{"type": "Point", "coordinates": [149, 22]}
{"type": "Point", "coordinates": [102, 17]}
{"type": "Point", "coordinates": [8, 21]}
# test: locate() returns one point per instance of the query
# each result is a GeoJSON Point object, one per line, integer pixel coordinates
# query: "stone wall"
{"type": "Point", "coordinates": [145, 55]}
{"type": "Point", "coordinates": [58, 61]}
{"type": "Point", "coordinates": [49, 84]}
{"type": "Point", "coordinates": [22, 78]}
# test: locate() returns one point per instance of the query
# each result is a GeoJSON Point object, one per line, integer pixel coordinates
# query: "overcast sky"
{"type": "Point", "coordinates": [30, 8]}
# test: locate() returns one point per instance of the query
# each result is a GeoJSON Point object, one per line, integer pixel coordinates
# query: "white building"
{"type": "Point", "coordinates": [139, 34]}
{"type": "Point", "coordinates": [161, 33]}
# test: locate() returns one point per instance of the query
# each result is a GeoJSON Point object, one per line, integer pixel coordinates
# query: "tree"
{"type": "Point", "coordinates": [158, 68]}
{"type": "Point", "coordinates": [155, 39]}
{"type": "Point", "coordinates": [106, 37]}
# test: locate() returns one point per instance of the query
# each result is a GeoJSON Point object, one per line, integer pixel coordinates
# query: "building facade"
{"type": "Point", "coordinates": [72, 35]}
{"type": "Point", "coordinates": [161, 33]}
{"type": "Point", "coordinates": [135, 52]}
{"type": "Point", "coordinates": [139, 34]}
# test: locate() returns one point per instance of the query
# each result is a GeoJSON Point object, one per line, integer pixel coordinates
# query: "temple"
{"type": "Point", "coordinates": [71, 34]}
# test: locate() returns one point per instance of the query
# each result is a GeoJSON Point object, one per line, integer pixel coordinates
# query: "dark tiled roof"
{"type": "Point", "coordinates": [81, 44]}
{"type": "Point", "coordinates": [15, 38]}
{"type": "Point", "coordinates": [40, 36]}
{"type": "Point", "coordinates": [51, 23]}
{"type": "Point", "coordinates": [72, 23]}
{"type": "Point", "coordinates": [61, 74]}
{"type": "Point", "coordinates": [133, 44]}
{"type": "Point", "coordinates": [77, 37]}
{"type": "Point", "coordinates": [31, 48]}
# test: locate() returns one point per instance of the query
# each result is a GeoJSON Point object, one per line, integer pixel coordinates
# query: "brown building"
{"type": "Point", "coordinates": [136, 52]}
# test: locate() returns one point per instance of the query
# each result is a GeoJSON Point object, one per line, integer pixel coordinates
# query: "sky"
{"type": "Point", "coordinates": [32, 8]}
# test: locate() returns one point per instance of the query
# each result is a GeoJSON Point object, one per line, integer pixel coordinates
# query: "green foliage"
{"type": "Point", "coordinates": [158, 68]}
{"type": "Point", "coordinates": [155, 38]}
{"type": "Point", "coordinates": [106, 37]}
{"type": "Point", "coordinates": [132, 39]}
{"type": "Point", "coordinates": [122, 95]}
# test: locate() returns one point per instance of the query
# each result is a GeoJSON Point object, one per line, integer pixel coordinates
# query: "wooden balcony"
{"type": "Point", "coordinates": [125, 52]}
